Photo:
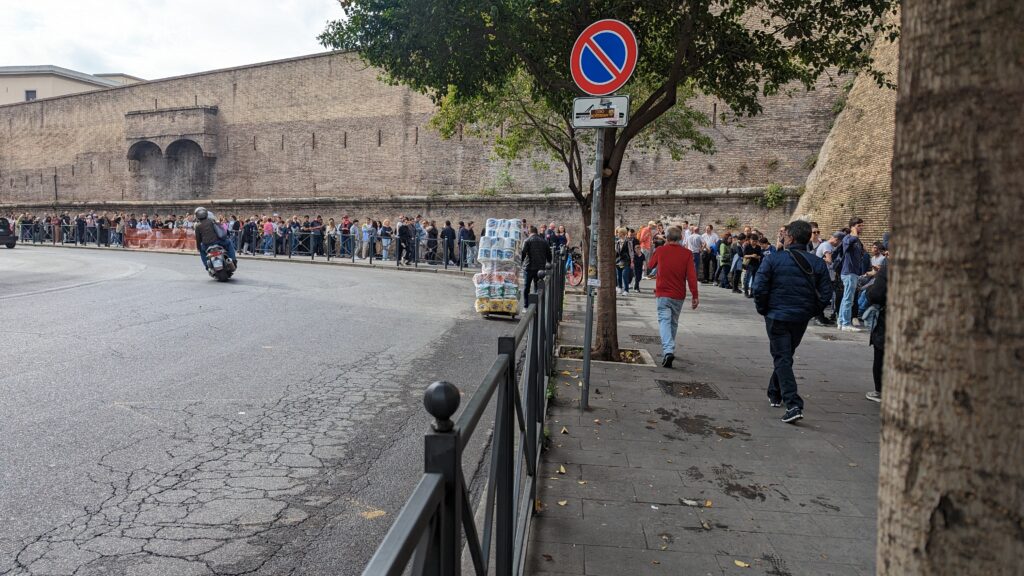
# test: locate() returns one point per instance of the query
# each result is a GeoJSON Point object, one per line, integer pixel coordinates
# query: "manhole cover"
{"type": "Point", "coordinates": [701, 390]}
{"type": "Point", "coordinates": [645, 339]}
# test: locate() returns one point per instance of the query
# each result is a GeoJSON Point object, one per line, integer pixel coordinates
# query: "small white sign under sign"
{"type": "Point", "coordinates": [595, 282]}
{"type": "Point", "coordinates": [600, 112]}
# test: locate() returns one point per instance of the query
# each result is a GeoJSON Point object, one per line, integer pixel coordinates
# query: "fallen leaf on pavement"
{"type": "Point", "coordinates": [655, 562]}
{"type": "Point", "coordinates": [372, 514]}
{"type": "Point", "coordinates": [547, 557]}
{"type": "Point", "coordinates": [688, 502]}
{"type": "Point", "coordinates": [705, 524]}
{"type": "Point", "coordinates": [565, 430]}
{"type": "Point", "coordinates": [741, 563]}
{"type": "Point", "coordinates": [581, 482]}
{"type": "Point", "coordinates": [538, 506]}
{"type": "Point", "coordinates": [653, 507]}
{"type": "Point", "coordinates": [561, 469]}
{"type": "Point", "coordinates": [565, 373]}
{"type": "Point", "coordinates": [563, 502]}
{"type": "Point", "coordinates": [597, 421]}
{"type": "Point", "coordinates": [707, 503]}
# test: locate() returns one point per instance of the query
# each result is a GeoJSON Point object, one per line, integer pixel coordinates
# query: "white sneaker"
{"type": "Point", "coordinates": [851, 328]}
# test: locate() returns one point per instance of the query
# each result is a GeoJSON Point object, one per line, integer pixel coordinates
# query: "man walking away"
{"type": "Point", "coordinates": [790, 288]}
{"type": "Point", "coordinates": [536, 255]}
{"type": "Point", "coordinates": [676, 271]}
{"type": "Point", "coordinates": [853, 268]}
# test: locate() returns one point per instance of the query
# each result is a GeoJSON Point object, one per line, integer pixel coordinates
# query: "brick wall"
{"type": "Point", "coordinates": [324, 126]}
{"type": "Point", "coordinates": [852, 176]}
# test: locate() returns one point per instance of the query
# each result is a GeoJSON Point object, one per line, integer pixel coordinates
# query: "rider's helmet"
{"type": "Point", "coordinates": [201, 213]}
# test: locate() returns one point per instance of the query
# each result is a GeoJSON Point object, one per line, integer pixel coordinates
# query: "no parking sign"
{"type": "Point", "coordinates": [603, 57]}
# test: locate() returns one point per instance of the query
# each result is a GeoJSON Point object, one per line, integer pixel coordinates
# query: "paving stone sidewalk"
{"type": "Point", "coordinates": [689, 470]}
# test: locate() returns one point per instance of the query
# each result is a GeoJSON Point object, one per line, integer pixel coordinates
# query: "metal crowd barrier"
{"type": "Point", "coordinates": [438, 518]}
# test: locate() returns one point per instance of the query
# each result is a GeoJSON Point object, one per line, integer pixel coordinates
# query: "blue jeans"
{"type": "Point", "coordinates": [783, 338]}
{"type": "Point", "coordinates": [623, 276]}
{"type": "Point", "coordinates": [385, 244]}
{"type": "Point", "coordinates": [668, 322]}
{"type": "Point", "coordinates": [226, 243]}
{"type": "Point", "coordinates": [696, 263]}
{"type": "Point", "coordinates": [849, 293]}
{"type": "Point", "coordinates": [268, 243]}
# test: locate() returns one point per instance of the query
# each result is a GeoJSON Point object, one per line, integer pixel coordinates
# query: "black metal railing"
{"type": "Point", "coordinates": [438, 521]}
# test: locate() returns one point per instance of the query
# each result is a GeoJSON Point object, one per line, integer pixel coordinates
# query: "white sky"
{"type": "Point", "coordinates": [159, 38]}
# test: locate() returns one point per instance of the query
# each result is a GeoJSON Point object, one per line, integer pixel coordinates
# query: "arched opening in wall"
{"type": "Point", "coordinates": [145, 169]}
{"type": "Point", "coordinates": [188, 171]}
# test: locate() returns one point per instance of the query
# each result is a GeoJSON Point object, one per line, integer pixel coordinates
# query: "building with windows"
{"type": "Point", "coordinates": [27, 83]}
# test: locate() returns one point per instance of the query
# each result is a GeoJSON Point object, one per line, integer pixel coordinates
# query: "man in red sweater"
{"type": "Point", "coordinates": [675, 272]}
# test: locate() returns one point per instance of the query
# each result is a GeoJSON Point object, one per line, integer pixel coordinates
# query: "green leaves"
{"type": "Point", "coordinates": [500, 67]}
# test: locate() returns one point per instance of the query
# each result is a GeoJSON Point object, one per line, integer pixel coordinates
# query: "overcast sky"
{"type": "Point", "coordinates": [159, 38]}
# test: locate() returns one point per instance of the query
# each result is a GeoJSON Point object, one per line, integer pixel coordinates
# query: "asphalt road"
{"type": "Point", "coordinates": [155, 422]}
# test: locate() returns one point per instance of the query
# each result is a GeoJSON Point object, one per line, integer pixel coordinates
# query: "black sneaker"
{"type": "Point", "coordinates": [774, 403]}
{"type": "Point", "coordinates": [792, 415]}
{"type": "Point", "coordinates": [667, 360]}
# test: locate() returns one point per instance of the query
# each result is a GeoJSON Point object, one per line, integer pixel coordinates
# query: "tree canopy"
{"type": "Point", "coordinates": [467, 52]}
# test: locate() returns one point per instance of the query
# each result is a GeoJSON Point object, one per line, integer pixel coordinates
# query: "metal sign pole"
{"type": "Point", "coordinates": [593, 278]}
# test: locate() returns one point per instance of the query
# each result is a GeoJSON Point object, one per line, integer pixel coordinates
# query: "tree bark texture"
{"type": "Point", "coordinates": [951, 486]}
{"type": "Point", "coordinates": [607, 334]}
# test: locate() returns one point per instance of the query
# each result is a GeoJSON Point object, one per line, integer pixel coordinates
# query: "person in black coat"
{"type": "Point", "coordinates": [877, 293]}
{"type": "Point", "coordinates": [448, 235]}
{"type": "Point", "coordinates": [791, 287]}
{"type": "Point", "coordinates": [535, 256]}
{"type": "Point", "coordinates": [406, 233]}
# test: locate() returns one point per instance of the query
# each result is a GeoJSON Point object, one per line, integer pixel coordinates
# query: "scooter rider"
{"type": "Point", "coordinates": [208, 233]}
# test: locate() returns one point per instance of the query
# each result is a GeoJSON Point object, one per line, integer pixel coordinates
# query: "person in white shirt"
{"type": "Point", "coordinates": [695, 244]}
{"type": "Point", "coordinates": [709, 263]}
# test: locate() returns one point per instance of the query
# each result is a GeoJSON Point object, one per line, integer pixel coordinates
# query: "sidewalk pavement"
{"type": "Point", "coordinates": [688, 471]}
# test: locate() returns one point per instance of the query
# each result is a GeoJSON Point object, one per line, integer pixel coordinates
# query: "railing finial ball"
{"type": "Point", "coordinates": [442, 400]}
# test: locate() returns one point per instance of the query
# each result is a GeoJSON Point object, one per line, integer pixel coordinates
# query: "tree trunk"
{"type": "Point", "coordinates": [607, 333]}
{"type": "Point", "coordinates": [951, 486]}
{"type": "Point", "coordinates": [585, 236]}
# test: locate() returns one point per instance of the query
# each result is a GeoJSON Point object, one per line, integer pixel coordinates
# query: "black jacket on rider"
{"type": "Point", "coordinates": [206, 233]}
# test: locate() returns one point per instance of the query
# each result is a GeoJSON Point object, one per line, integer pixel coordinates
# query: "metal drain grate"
{"type": "Point", "coordinates": [700, 390]}
{"type": "Point", "coordinates": [645, 339]}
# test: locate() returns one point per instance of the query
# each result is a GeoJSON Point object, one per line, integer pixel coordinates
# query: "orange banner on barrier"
{"type": "Point", "coordinates": [160, 239]}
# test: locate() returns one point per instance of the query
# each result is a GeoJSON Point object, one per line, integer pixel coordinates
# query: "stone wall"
{"type": "Point", "coordinates": [324, 126]}
{"type": "Point", "coordinates": [852, 175]}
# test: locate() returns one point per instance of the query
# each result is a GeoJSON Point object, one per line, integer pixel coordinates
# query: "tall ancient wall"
{"type": "Point", "coordinates": [324, 126]}
{"type": "Point", "coordinates": [852, 175]}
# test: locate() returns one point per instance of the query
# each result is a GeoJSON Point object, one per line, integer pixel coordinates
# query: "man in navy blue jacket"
{"type": "Point", "coordinates": [791, 287]}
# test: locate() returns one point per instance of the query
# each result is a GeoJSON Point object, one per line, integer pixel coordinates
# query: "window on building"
{"type": "Point", "coordinates": [30, 95]}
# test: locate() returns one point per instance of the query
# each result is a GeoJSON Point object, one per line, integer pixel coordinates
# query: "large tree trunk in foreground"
{"type": "Point", "coordinates": [606, 337]}
{"type": "Point", "coordinates": [951, 491]}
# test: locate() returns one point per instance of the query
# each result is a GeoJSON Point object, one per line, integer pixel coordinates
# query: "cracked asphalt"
{"type": "Point", "coordinates": [155, 422]}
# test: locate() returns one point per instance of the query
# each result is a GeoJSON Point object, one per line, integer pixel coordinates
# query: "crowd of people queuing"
{"type": "Point", "coordinates": [731, 261]}
{"type": "Point", "coordinates": [794, 278]}
{"type": "Point", "coordinates": [405, 239]}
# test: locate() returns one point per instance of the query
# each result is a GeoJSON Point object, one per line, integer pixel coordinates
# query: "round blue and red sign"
{"type": "Point", "coordinates": [603, 57]}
